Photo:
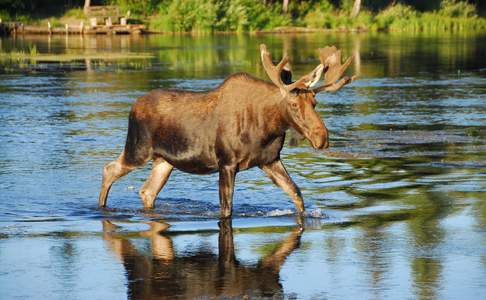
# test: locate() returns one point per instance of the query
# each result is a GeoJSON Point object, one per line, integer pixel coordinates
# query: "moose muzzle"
{"type": "Point", "coordinates": [319, 138]}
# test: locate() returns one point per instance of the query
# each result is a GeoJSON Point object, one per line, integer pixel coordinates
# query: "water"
{"type": "Point", "coordinates": [395, 209]}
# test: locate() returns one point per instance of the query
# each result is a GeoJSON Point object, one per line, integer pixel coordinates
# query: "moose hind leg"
{"type": "Point", "coordinates": [277, 172]}
{"type": "Point", "coordinates": [112, 172]}
{"type": "Point", "coordinates": [161, 171]}
{"type": "Point", "coordinates": [226, 188]}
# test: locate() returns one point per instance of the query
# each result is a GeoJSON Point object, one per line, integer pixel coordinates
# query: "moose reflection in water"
{"type": "Point", "coordinates": [164, 275]}
{"type": "Point", "coordinates": [237, 126]}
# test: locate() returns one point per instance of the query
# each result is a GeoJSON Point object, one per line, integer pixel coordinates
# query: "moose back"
{"type": "Point", "coordinates": [239, 125]}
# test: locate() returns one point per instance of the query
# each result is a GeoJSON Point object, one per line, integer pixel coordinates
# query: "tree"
{"type": "Point", "coordinates": [356, 8]}
{"type": "Point", "coordinates": [87, 3]}
{"type": "Point", "coordinates": [285, 6]}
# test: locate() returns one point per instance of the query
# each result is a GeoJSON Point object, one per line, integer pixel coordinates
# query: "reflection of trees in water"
{"type": "Point", "coordinates": [164, 274]}
{"type": "Point", "coordinates": [372, 245]}
{"type": "Point", "coordinates": [480, 214]}
{"type": "Point", "coordinates": [356, 174]}
{"type": "Point", "coordinates": [334, 245]}
{"type": "Point", "coordinates": [426, 276]}
{"type": "Point", "coordinates": [478, 205]}
{"type": "Point", "coordinates": [423, 214]}
{"type": "Point", "coordinates": [202, 56]}
{"type": "Point", "coordinates": [427, 234]}
{"type": "Point", "coordinates": [64, 259]}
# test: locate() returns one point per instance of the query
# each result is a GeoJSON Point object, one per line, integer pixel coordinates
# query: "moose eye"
{"type": "Point", "coordinates": [294, 105]}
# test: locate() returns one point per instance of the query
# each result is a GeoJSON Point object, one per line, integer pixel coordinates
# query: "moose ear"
{"type": "Point", "coordinates": [286, 74]}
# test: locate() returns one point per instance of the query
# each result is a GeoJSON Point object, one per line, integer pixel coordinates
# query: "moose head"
{"type": "Point", "coordinates": [298, 98]}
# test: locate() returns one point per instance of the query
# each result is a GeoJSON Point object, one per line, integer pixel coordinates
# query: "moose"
{"type": "Point", "coordinates": [236, 126]}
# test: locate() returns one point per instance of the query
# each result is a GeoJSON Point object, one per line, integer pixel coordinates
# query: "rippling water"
{"type": "Point", "coordinates": [396, 208]}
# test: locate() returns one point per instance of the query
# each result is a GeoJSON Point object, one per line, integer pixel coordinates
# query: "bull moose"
{"type": "Point", "coordinates": [238, 125]}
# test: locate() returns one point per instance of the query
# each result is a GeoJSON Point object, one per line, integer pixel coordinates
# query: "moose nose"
{"type": "Point", "coordinates": [320, 138]}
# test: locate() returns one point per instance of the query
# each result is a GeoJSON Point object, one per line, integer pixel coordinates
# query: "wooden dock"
{"type": "Point", "coordinates": [102, 19]}
{"type": "Point", "coordinates": [14, 28]}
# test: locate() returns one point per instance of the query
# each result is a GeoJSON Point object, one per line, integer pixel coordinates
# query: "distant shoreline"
{"type": "Point", "coordinates": [13, 28]}
{"type": "Point", "coordinates": [140, 29]}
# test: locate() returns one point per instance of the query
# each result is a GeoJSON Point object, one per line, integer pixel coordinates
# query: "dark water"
{"type": "Point", "coordinates": [395, 209]}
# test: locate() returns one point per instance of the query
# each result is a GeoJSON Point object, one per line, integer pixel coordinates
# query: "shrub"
{"type": "Point", "coordinates": [322, 16]}
{"type": "Point", "coordinates": [209, 15]}
{"type": "Point", "coordinates": [453, 16]}
{"type": "Point", "coordinates": [75, 13]}
{"type": "Point", "coordinates": [137, 8]}
{"type": "Point", "coordinates": [192, 15]}
{"type": "Point", "coordinates": [395, 16]}
{"type": "Point", "coordinates": [457, 9]}
{"type": "Point", "coordinates": [250, 15]}
{"type": "Point", "coordinates": [185, 15]}
{"type": "Point", "coordinates": [325, 16]}
{"type": "Point", "coordinates": [5, 16]}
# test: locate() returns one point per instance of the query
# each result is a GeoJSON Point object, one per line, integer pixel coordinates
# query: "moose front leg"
{"type": "Point", "coordinates": [276, 171]}
{"type": "Point", "coordinates": [226, 186]}
{"type": "Point", "coordinates": [158, 178]}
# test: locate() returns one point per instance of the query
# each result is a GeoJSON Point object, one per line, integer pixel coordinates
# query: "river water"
{"type": "Point", "coordinates": [395, 209]}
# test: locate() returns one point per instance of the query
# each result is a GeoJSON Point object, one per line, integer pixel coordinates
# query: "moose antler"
{"type": "Point", "coordinates": [330, 58]}
{"type": "Point", "coordinates": [274, 73]}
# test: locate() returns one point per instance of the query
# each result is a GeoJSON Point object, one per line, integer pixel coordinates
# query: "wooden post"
{"type": "Point", "coordinates": [49, 27]}
{"type": "Point", "coordinates": [81, 27]}
{"type": "Point", "coordinates": [67, 28]}
{"type": "Point", "coordinates": [93, 22]}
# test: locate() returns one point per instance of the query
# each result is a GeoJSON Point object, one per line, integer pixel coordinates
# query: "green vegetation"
{"type": "Point", "coordinates": [453, 16]}
{"type": "Point", "coordinates": [210, 15]}
{"type": "Point", "coordinates": [254, 15]}
{"type": "Point", "coordinates": [75, 13]}
{"type": "Point", "coordinates": [326, 16]}
{"type": "Point", "coordinates": [257, 15]}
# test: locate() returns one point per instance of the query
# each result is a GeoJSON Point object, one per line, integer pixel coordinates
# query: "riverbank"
{"type": "Point", "coordinates": [14, 28]}
{"type": "Point", "coordinates": [255, 17]}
